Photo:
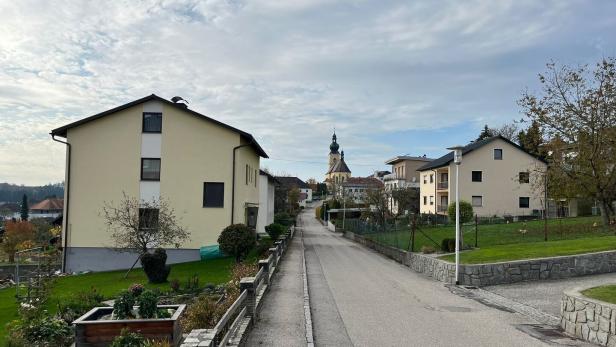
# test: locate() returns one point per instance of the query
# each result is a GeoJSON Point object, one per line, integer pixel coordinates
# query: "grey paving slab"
{"type": "Point", "coordinates": [281, 320]}
{"type": "Point", "coordinates": [546, 295]}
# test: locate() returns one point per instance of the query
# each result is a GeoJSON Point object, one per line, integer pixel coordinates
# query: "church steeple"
{"type": "Point", "coordinates": [333, 147]}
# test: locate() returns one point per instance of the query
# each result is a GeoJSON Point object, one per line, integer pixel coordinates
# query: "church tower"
{"type": "Point", "coordinates": [334, 155]}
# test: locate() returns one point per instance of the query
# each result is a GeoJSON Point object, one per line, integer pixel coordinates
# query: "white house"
{"type": "Point", "coordinates": [267, 189]}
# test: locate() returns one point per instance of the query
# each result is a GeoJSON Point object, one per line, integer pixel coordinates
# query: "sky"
{"type": "Point", "coordinates": [392, 77]}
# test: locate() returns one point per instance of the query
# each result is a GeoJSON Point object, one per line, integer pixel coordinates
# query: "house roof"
{"type": "Point", "coordinates": [399, 158]}
{"type": "Point", "coordinates": [363, 181]}
{"type": "Point", "coordinates": [49, 204]}
{"type": "Point", "coordinates": [61, 131]}
{"type": "Point", "coordinates": [340, 166]}
{"type": "Point", "coordinates": [291, 182]}
{"type": "Point", "coordinates": [269, 176]}
{"type": "Point", "coordinates": [448, 158]}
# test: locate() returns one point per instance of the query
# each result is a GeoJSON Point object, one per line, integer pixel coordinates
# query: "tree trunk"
{"type": "Point", "coordinates": [605, 218]}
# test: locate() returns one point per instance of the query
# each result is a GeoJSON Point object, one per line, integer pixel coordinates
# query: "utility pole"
{"type": "Point", "coordinates": [545, 213]}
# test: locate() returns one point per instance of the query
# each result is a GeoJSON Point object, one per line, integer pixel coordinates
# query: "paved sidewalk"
{"type": "Point", "coordinates": [281, 321]}
{"type": "Point", "coordinates": [546, 295]}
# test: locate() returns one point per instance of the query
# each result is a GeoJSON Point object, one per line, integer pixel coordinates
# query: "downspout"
{"type": "Point", "coordinates": [66, 203]}
{"type": "Point", "coordinates": [233, 181]}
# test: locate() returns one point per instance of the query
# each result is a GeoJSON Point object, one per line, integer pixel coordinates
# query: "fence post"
{"type": "Point", "coordinates": [476, 227]}
{"type": "Point", "coordinates": [273, 251]}
{"type": "Point", "coordinates": [248, 284]}
{"type": "Point", "coordinates": [264, 264]}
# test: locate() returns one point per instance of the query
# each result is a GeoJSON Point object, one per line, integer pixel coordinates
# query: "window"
{"type": "Point", "coordinates": [213, 194]}
{"type": "Point", "coordinates": [477, 176]}
{"type": "Point", "coordinates": [524, 202]}
{"type": "Point", "coordinates": [425, 200]}
{"type": "Point", "coordinates": [150, 169]}
{"type": "Point", "coordinates": [431, 178]}
{"type": "Point", "coordinates": [498, 154]}
{"type": "Point", "coordinates": [152, 122]}
{"type": "Point", "coordinates": [431, 199]}
{"type": "Point", "coordinates": [477, 200]}
{"type": "Point", "coordinates": [425, 178]}
{"type": "Point", "coordinates": [148, 218]}
{"type": "Point", "coordinates": [524, 177]}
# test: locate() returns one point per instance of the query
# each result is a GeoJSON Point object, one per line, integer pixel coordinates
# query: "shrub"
{"type": "Point", "coordinates": [284, 219]}
{"type": "Point", "coordinates": [123, 305]}
{"type": "Point", "coordinates": [203, 313]}
{"type": "Point", "coordinates": [192, 283]}
{"type": "Point", "coordinates": [263, 247]}
{"type": "Point", "coordinates": [448, 245]}
{"type": "Point", "coordinates": [136, 289]}
{"type": "Point", "coordinates": [237, 240]}
{"type": "Point", "coordinates": [79, 304]}
{"type": "Point", "coordinates": [148, 304]}
{"type": "Point", "coordinates": [466, 212]}
{"type": "Point", "coordinates": [154, 266]}
{"type": "Point", "coordinates": [427, 249]}
{"type": "Point", "coordinates": [128, 339]}
{"type": "Point", "coordinates": [175, 285]}
{"type": "Point", "coordinates": [274, 230]}
{"type": "Point", "coordinates": [43, 331]}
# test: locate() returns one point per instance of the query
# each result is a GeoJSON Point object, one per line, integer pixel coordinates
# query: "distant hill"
{"type": "Point", "coordinates": [13, 192]}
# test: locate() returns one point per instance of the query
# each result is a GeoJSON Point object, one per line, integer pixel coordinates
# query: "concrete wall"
{"type": "Point", "coordinates": [499, 273]}
{"type": "Point", "coordinates": [588, 319]}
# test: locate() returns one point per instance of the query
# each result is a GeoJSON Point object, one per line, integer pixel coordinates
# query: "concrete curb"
{"type": "Point", "coordinates": [307, 314]}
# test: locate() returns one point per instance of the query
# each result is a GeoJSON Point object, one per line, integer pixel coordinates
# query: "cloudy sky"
{"type": "Point", "coordinates": [392, 77]}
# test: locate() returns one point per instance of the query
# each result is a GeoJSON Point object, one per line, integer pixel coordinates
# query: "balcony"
{"type": "Point", "coordinates": [441, 209]}
{"type": "Point", "coordinates": [442, 185]}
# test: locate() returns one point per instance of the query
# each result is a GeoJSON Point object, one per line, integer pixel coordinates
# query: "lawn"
{"type": "Point", "coordinates": [496, 234]}
{"type": "Point", "coordinates": [214, 271]}
{"type": "Point", "coordinates": [603, 293]}
{"type": "Point", "coordinates": [535, 250]}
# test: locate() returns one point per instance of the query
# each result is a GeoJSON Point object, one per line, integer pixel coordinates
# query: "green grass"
{"type": "Point", "coordinates": [535, 250]}
{"type": "Point", "coordinates": [496, 234]}
{"type": "Point", "coordinates": [603, 293]}
{"type": "Point", "coordinates": [213, 271]}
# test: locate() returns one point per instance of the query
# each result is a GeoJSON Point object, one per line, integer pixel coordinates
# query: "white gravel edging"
{"type": "Point", "coordinates": [307, 314]}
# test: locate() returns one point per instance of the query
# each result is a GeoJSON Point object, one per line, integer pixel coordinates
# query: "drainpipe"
{"type": "Point", "coordinates": [233, 181]}
{"type": "Point", "coordinates": [66, 203]}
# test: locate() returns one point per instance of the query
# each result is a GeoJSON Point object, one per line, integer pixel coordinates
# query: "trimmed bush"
{"type": "Point", "coordinates": [466, 212]}
{"type": "Point", "coordinates": [284, 218]}
{"type": "Point", "coordinates": [274, 230]}
{"type": "Point", "coordinates": [448, 245]}
{"type": "Point", "coordinates": [154, 266]}
{"type": "Point", "coordinates": [148, 304]}
{"type": "Point", "coordinates": [237, 240]}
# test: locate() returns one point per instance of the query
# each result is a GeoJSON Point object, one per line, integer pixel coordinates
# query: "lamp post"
{"type": "Point", "coordinates": [457, 159]}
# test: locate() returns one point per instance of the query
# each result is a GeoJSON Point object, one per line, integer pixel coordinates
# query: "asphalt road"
{"type": "Point", "coordinates": [360, 298]}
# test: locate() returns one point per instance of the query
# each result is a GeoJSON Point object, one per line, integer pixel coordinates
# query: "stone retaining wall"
{"type": "Point", "coordinates": [498, 273]}
{"type": "Point", "coordinates": [588, 319]}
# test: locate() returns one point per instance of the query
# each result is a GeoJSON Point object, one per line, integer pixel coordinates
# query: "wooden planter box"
{"type": "Point", "coordinates": [90, 332]}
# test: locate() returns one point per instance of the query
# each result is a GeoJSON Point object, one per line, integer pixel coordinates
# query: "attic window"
{"type": "Point", "coordinates": [498, 154]}
{"type": "Point", "coordinates": [152, 122]}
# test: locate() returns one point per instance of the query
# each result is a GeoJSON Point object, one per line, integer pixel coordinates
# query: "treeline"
{"type": "Point", "coordinates": [14, 193]}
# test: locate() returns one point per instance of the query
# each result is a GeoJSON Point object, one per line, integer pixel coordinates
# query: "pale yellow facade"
{"type": "Point", "coordinates": [500, 189]}
{"type": "Point", "coordinates": [106, 161]}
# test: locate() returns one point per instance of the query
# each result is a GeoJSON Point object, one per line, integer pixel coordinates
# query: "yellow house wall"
{"type": "Point", "coordinates": [106, 157]}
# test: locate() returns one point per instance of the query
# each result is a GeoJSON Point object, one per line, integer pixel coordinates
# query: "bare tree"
{"type": "Point", "coordinates": [137, 226]}
{"type": "Point", "coordinates": [576, 111]}
{"type": "Point", "coordinates": [509, 131]}
{"type": "Point", "coordinates": [377, 203]}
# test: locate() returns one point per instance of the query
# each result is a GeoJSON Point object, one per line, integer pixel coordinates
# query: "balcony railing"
{"type": "Point", "coordinates": [442, 185]}
{"type": "Point", "coordinates": [441, 208]}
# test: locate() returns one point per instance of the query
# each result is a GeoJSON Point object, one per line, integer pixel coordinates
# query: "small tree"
{"type": "Point", "coordinates": [237, 240]}
{"type": "Point", "coordinates": [378, 206]}
{"type": "Point", "coordinates": [25, 209]}
{"type": "Point", "coordinates": [293, 196]}
{"type": "Point", "coordinates": [137, 226]}
{"type": "Point", "coordinates": [15, 234]}
{"type": "Point", "coordinates": [466, 212]}
{"type": "Point", "coordinates": [407, 200]}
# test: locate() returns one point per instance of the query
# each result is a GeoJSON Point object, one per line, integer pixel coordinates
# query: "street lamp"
{"type": "Point", "coordinates": [457, 159]}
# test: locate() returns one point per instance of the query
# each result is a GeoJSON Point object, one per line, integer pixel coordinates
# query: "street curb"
{"type": "Point", "coordinates": [307, 314]}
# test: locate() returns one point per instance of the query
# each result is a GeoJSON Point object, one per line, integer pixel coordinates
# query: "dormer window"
{"type": "Point", "coordinates": [152, 122]}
